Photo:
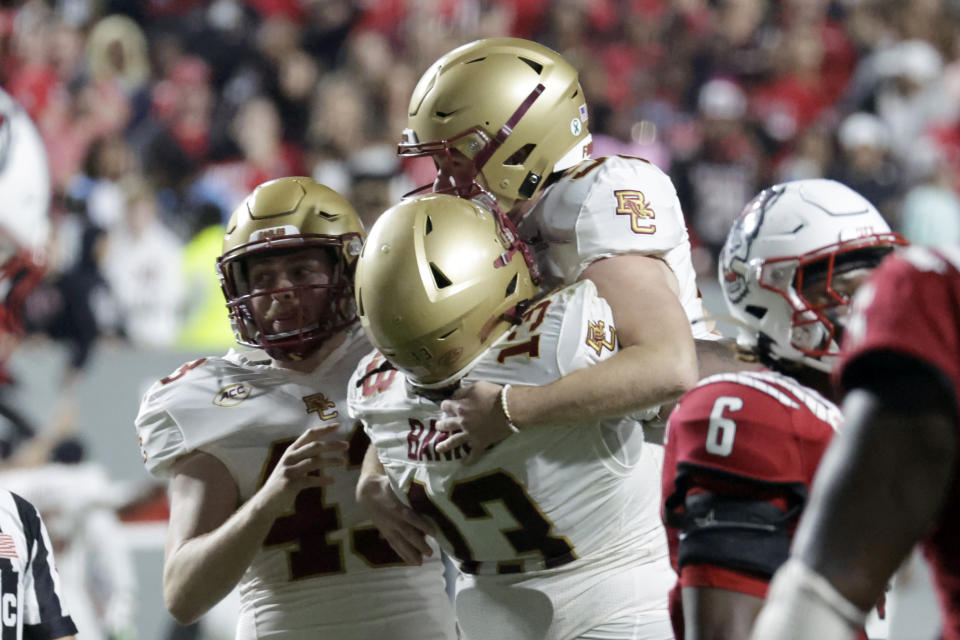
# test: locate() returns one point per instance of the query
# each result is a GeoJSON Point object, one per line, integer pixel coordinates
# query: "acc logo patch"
{"type": "Point", "coordinates": [232, 394]}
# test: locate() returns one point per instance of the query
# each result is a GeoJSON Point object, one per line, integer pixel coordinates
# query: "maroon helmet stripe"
{"type": "Point", "coordinates": [481, 158]}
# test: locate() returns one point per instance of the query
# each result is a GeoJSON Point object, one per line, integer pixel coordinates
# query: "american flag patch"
{"type": "Point", "coordinates": [7, 548]}
{"type": "Point", "coordinates": [583, 112]}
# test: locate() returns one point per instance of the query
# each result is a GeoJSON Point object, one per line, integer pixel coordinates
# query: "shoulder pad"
{"type": "Point", "coordinates": [748, 425]}
{"type": "Point", "coordinates": [170, 421]}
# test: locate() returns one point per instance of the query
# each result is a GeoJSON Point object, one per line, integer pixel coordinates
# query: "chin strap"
{"type": "Point", "coordinates": [385, 366]}
{"type": "Point", "coordinates": [512, 236]}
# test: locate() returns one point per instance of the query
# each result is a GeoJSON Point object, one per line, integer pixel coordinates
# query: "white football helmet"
{"type": "Point", "coordinates": [788, 236]}
{"type": "Point", "coordinates": [24, 210]}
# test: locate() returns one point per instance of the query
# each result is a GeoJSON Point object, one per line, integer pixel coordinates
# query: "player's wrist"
{"type": "Point", "coordinates": [505, 408]}
{"type": "Point", "coordinates": [369, 486]}
{"type": "Point", "coordinates": [798, 593]}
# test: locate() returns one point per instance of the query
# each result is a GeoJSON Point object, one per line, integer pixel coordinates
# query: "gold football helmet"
{"type": "Point", "coordinates": [284, 215]}
{"type": "Point", "coordinates": [437, 284]}
{"type": "Point", "coordinates": [512, 106]}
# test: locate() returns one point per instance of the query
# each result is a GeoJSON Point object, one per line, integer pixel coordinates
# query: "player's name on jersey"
{"type": "Point", "coordinates": [422, 441]}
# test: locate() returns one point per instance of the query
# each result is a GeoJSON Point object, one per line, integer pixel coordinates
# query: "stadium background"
{"type": "Point", "coordinates": [160, 115]}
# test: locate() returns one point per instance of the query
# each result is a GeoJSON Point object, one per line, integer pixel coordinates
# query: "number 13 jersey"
{"type": "Point", "coordinates": [573, 497]}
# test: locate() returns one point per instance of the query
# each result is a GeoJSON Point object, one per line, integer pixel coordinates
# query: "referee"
{"type": "Point", "coordinates": [30, 604]}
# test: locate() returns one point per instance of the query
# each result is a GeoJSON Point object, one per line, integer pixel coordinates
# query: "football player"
{"type": "Point", "coordinates": [742, 448]}
{"type": "Point", "coordinates": [506, 123]}
{"type": "Point", "coordinates": [25, 195]}
{"type": "Point", "coordinates": [895, 462]}
{"type": "Point", "coordinates": [555, 530]}
{"type": "Point", "coordinates": [262, 458]}
{"type": "Point", "coordinates": [24, 222]}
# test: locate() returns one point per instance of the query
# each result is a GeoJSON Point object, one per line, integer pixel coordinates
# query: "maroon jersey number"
{"type": "Point", "coordinates": [471, 497]}
{"type": "Point", "coordinates": [313, 519]}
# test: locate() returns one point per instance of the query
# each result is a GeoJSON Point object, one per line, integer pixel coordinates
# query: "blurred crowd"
{"type": "Point", "coordinates": [160, 115]}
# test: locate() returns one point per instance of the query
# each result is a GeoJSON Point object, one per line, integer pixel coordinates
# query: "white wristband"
{"type": "Point", "coordinates": [803, 605]}
{"type": "Point", "coordinates": [506, 409]}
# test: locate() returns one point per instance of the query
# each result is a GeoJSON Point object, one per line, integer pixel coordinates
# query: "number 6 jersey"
{"type": "Point", "coordinates": [323, 570]}
{"type": "Point", "coordinates": [741, 450]}
{"type": "Point", "coordinates": [568, 513]}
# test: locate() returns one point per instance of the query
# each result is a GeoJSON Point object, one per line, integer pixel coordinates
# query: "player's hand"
{"type": "Point", "coordinates": [401, 526]}
{"type": "Point", "coordinates": [303, 465]}
{"type": "Point", "coordinates": [473, 417]}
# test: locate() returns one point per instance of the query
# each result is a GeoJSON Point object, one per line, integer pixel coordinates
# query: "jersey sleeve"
{"type": "Point", "coordinates": [180, 414]}
{"type": "Point", "coordinates": [362, 375]}
{"type": "Point", "coordinates": [625, 205]}
{"type": "Point", "coordinates": [160, 437]}
{"type": "Point", "coordinates": [45, 615]}
{"type": "Point", "coordinates": [587, 333]}
{"type": "Point", "coordinates": [908, 307]}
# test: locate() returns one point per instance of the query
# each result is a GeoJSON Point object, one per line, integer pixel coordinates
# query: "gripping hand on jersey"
{"type": "Point", "coordinates": [400, 526]}
{"type": "Point", "coordinates": [302, 466]}
{"type": "Point", "coordinates": [473, 417]}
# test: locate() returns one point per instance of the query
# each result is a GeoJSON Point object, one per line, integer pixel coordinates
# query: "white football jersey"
{"type": "Point", "coordinates": [608, 206]}
{"type": "Point", "coordinates": [546, 503]}
{"type": "Point", "coordinates": [324, 570]}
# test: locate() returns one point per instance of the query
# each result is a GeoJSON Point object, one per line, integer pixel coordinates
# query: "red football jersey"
{"type": "Point", "coordinates": [753, 435]}
{"type": "Point", "coordinates": [912, 306]}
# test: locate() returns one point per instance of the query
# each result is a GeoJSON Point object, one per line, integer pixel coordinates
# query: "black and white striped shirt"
{"type": "Point", "coordinates": [31, 607]}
